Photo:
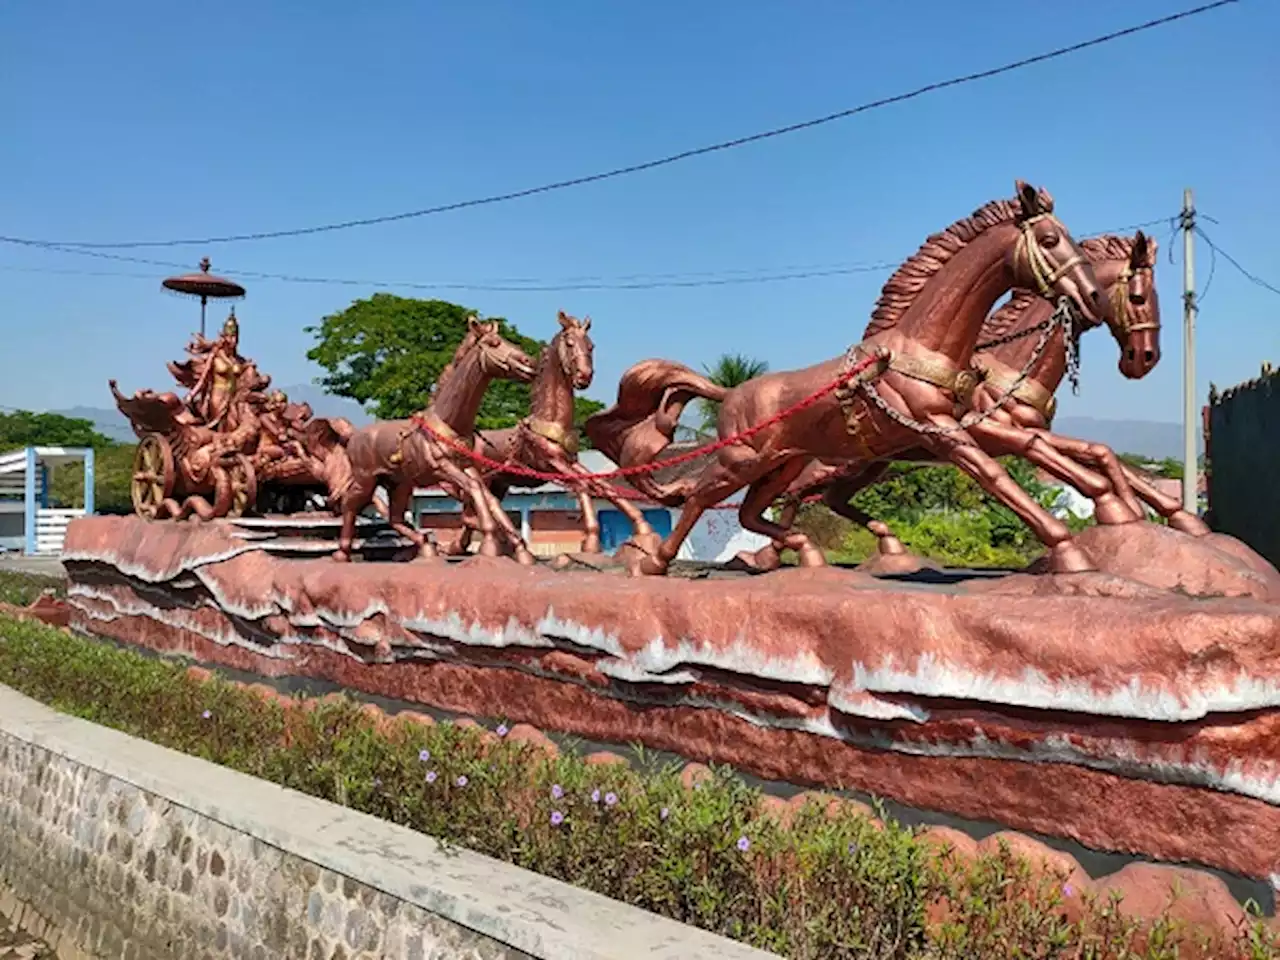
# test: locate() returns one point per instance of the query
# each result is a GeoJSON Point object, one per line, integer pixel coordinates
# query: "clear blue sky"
{"type": "Point", "coordinates": [143, 120]}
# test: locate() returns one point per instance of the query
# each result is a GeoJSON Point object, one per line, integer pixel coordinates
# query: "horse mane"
{"type": "Point", "coordinates": [1004, 321]}
{"type": "Point", "coordinates": [1008, 317]}
{"type": "Point", "coordinates": [1109, 246]}
{"type": "Point", "coordinates": [468, 342]}
{"type": "Point", "coordinates": [917, 270]}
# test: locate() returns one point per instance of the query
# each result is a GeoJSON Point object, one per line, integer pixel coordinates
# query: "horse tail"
{"type": "Point", "coordinates": [652, 395]}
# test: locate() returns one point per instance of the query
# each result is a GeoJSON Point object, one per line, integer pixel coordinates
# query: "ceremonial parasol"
{"type": "Point", "coordinates": [204, 285]}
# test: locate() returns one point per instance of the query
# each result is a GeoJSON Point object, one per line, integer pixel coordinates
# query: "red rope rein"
{"type": "Point", "coordinates": [578, 479]}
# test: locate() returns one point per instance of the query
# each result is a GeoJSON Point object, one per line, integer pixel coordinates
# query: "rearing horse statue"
{"type": "Point", "coordinates": [1125, 269]}
{"type": "Point", "coordinates": [399, 455]}
{"type": "Point", "coordinates": [924, 329]}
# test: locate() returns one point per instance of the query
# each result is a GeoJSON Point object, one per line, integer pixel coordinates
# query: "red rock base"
{"type": "Point", "coordinates": [1133, 710]}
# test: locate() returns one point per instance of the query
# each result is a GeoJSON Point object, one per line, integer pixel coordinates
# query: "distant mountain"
{"type": "Point", "coordinates": [1148, 438]}
{"type": "Point", "coordinates": [110, 423]}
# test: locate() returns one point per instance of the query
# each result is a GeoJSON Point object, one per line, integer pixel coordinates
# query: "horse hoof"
{"type": "Point", "coordinates": [880, 528]}
{"type": "Point", "coordinates": [649, 567]}
{"type": "Point", "coordinates": [341, 556]}
{"type": "Point", "coordinates": [761, 561]}
{"type": "Point", "coordinates": [811, 556]}
{"type": "Point", "coordinates": [1189, 523]}
{"type": "Point", "coordinates": [890, 546]}
{"type": "Point", "coordinates": [1109, 510]}
{"type": "Point", "coordinates": [648, 542]}
{"type": "Point", "coordinates": [591, 545]}
{"type": "Point", "coordinates": [525, 558]}
{"type": "Point", "coordinates": [490, 547]}
{"type": "Point", "coordinates": [1069, 557]}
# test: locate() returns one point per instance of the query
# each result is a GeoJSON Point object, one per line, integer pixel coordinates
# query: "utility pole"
{"type": "Point", "coordinates": [1190, 406]}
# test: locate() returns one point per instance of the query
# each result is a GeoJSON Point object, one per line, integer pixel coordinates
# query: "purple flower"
{"type": "Point", "coordinates": [424, 755]}
{"type": "Point", "coordinates": [206, 715]}
{"type": "Point", "coordinates": [461, 781]}
{"type": "Point", "coordinates": [1067, 890]}
{"type": "Point", "coordinates": [431, 776]}
{"type": "Point", "coordinates": [595, 796]}
{"type": "Point", "coordinates": [557, 818]}
{"type": "Point", "coordinates": [377, 781]}
{"type": "Point", "coordinates": [502, 730]}
{"type": "Point", "coordinates": [664, 813]}
{"type": "Point", "coordinates": [853, 849]}
{"type": "Point", "coordinates": [557, 791]}
{"type": "Point", "coordinates": [744, 844]}
{"type": "Point", "coordinates": [610, 799]}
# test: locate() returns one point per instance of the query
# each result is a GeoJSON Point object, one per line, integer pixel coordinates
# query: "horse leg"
{"type": "Point", "coordinates": [1104, 457]}
{"type": "Point", "coordinates": [524, 556]}
{"type": "Point", "coordinates": [397, 504]}
{"type": "Point", "coordinates": [355, 499]}
{"type": "Point", "coordinates": [837, 497]}
{"type": "Point", "coordinates": [590, 523]}
{"type": "Point", "coordinates": [642, 533]}
{"type": "Point", "coordinates": [1166, 506]}
{"type": "Point", "coordinates": [1109, 505]}
{"type": "Point", "coordinates": [760, 496]}
{"type": "Point", "coordinates": [1065, 556]}
{"type": "Point", "coordinates": [736, 467]}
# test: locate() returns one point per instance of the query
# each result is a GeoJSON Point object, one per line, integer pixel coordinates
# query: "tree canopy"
{"type": "Point", "coordinates": [22, 428]}
{"type": "Point", "coordinates": [387, 352]}
{"type": "Point", "coordinates": [113, 470]}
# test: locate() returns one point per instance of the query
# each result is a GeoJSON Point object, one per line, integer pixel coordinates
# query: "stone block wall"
{"type": "Point", "coordinates": [115, 848]}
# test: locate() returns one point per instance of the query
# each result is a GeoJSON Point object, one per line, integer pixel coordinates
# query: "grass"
{"type": "Point", "coordinates": [21, 589]}
{"type": "Point", "coordinates": [819, 884]}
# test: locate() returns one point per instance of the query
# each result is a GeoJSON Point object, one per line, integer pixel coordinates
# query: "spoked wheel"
{"type": "Point", "coordinates": [244, 486]}
{"type": "Point", "coordinates": [153, 475]}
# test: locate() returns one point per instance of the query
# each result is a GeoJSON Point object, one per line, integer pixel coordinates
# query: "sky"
{"type": "Point", "coordinates": [153, 120]}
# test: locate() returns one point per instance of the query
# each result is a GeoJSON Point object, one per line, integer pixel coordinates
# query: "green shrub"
{"type": "Point", "coordinates": [21, 589]}
{"type": "Point", "coordinates": [819, 886]}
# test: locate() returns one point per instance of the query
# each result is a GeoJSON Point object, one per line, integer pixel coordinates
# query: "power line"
{"type": "Point", "coordinates": [667, 160]}
{"type": "Point", "coordinates": [1251, 277]}
{"type": "Point", "coordinates": [524, 287]}
{"type": "Point", "coordinates": [633, 281]}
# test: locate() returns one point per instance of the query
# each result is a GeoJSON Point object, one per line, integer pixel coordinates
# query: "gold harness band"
{"type": "Point", "coordinates": [1031, 392]}
{"type": "Point", "coordinates": [567, 440]}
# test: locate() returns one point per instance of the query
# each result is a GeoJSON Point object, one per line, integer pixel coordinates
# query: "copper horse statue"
{"type": "Point", "coordinates": [923, 333]}
{"type": "Point", "coordinates": [1125, 269]}
{"type": "Point", "coordinates": [547, 440]}
{"type": "Point", "coordinates": [399, 455]}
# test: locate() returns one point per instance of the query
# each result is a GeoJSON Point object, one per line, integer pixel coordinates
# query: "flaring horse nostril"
{"type": "Point", "coordinates": [1129, 353]}
{"type": "Point", "coordinates": [1148, 355]}
{"type": "Point", "coordinates": [1094, 296]}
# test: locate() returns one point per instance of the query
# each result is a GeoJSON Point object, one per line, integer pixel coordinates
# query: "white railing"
{"type": "Point", "coordinates": [51, 529]}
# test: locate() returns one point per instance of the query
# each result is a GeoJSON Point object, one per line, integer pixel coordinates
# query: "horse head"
{"type": "Point", "coordinates": [574, 350]}
{"type": "Point", "coordinates": [1046, 259]}
{"type": "Point", "coordinates": [498, 356]}
{"type": "Point", "coordinates": [1136, 311]}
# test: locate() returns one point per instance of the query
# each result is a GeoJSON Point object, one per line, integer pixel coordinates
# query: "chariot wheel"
{"type": "Point", "coordinates": [244, 485]}
{"type": "Point", "coordinates": [154, 476]}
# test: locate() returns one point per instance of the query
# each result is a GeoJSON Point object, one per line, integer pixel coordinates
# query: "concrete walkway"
{"type": "Point", "coordinates": [45, 566]}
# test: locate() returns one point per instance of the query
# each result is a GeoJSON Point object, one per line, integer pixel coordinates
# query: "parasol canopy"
{"type": "Point", "coordinates": [204, 285]}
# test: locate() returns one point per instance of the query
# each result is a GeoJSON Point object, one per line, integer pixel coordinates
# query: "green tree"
{"type": "Point", "coordinates": [113, 462]}
{"type": "Point", "coordinates": [387, 352]}
{"type": "Point", "coordinates": [731, 370]}
{"type": "Point", "coordinates": [22, 428]}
